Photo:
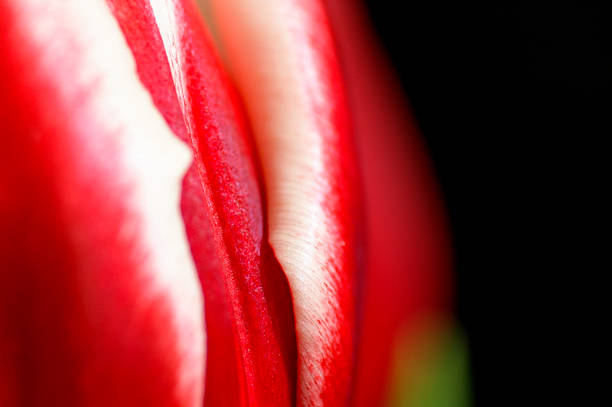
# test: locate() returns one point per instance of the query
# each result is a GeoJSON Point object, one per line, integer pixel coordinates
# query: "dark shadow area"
{"type": "Point", "coordinates": [510, 96]}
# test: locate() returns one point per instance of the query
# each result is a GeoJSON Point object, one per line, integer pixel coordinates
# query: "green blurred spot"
{"type": "Point", "coordinates": [432, 374]}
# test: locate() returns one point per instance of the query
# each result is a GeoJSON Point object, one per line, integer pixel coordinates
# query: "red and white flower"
{"type": "Point", "coordinates": [175, 234]}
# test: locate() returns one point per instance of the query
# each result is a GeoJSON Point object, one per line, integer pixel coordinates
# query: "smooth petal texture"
{"type": "Point", "coordinates": [251, 339]}
{"type": "Point", "coordinates": [282, 55]}
{"type": "Point", "coordinates": [99, 300]}
{"type": "Point", "coordinates": [407, 284]}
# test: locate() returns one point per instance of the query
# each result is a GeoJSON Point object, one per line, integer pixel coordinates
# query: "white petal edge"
{"type": "Point", "coordinates": [154, 160]}
{"type": "Point", "coordinates": [269, 70]}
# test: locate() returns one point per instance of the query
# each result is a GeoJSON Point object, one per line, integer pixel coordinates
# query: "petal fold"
{"type": "Point", "coordinates": [249, 315]}
{"type": "Point", "coordinates": [282, 56]}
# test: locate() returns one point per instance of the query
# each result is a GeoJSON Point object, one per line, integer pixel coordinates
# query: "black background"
{"type": "Point", "coordinates": [511, 97]}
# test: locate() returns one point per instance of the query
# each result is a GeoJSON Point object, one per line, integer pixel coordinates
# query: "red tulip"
{"type": "Point", "coordinates": [315, 234]}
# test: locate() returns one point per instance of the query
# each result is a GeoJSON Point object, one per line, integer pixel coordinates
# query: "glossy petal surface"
{"type": "Point", "coordinates": [99, 301]}
{"type": "Point", "coordinates": [249, 316]}
{"type": "Point", "coordinates": [282, 55]}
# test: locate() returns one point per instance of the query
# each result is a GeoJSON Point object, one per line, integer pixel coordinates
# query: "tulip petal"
{"type": "Point", "coordinates": [99, 300]}
{"type": "Point", "coordinates": [251, 339]}
{"type": "Point", "coordinates": [283, 58]}
{"type": "Point", "coordinates": [407, 283]}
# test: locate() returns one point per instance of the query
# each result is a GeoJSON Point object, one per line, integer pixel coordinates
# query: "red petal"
{"type": "Point", "coordinates": [285, 65]}
{"type": "Point", "coordinates": [249, 315]}
{"type": "Point", "coordinates": [99, 303]}
{"type": "Point", "coordinates": [407, 280]}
